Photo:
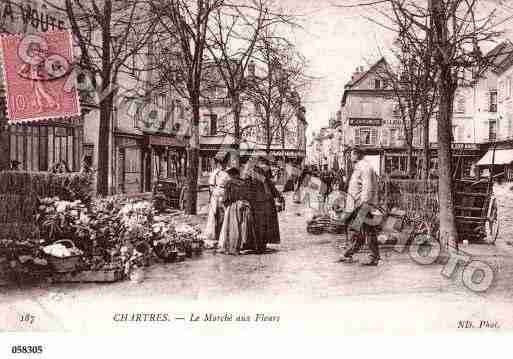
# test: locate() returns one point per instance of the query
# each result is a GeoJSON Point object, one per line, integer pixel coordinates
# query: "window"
{"type": "Point", "coordinates": [493, 101]}
{"type": "Point", "coordinates": [393, 137]}
{"type": "Point", "coordinates": [454, 132]}
{"type": "Point", "coordinates": [213, 124]}
{"type": "Point", "coordinates": [377, 83]}
{"type": "Point", "coordinates": [366, 136]}
{"type": "Point", "coordinates": [396, 111]}
{"type": "Point", "coordinates": [460, 105]}
{"type": "Point", "coordinates": [492, 130]}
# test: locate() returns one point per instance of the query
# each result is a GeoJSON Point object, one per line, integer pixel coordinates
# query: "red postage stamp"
{"type": "Point", "coordinates": [36, 68]}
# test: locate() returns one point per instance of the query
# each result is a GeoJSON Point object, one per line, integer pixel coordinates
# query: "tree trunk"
{"type": "Point", "coordinates": [193, 161]}
{"type": "Point", "coordinates": [105, 107]}
{"type": "Point", "coordinates": [409, 155]}
{"type": "Point", "coordinates": [283, 160]}
{"type": "Point", "coordinates": [236, 108]}
{"type": "Point", "coordinates": [448, 231]}
{"type": "Point", "coordinates": [103, 146]}
{"type": "Point", "coordinates": [425, 140]}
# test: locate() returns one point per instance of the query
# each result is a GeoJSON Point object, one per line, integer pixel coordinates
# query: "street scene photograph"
{"type": "Point", "coordinates": [335, 166]}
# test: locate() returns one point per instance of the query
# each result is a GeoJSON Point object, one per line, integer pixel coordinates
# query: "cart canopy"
{"type": "Point", "coordinates": [502, 157]}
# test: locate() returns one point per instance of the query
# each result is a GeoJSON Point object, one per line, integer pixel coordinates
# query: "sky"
{"type": "Point", "coordinates": [334, 41]}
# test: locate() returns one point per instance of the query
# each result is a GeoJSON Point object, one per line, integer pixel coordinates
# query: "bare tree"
{"type": "Point", "coordinates": [411, 78]}
{"type": "Point", "coordinates": [456, 31]}
{"type": "Point", "coordinates": [233, 32]}
{"type": "Point", "coordinates": [273, 92]}
{"type": "Point", "coordinates": [108, 33]}
{"type": "Point", "coordinates": [184, 24]}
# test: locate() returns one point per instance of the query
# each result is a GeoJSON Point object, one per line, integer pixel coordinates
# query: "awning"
{"type": "Point", "coordinates": [502, 157]}
{"type": "Point", "coordinates": [156, 140]}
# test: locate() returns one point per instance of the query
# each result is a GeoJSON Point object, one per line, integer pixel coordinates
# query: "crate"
{"type": "Point", "coordinates": [90, 276]}
{"type": "Point", "coordinates": [66, 264]}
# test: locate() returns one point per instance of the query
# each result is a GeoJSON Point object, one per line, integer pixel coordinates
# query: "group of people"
{"type": "Point", "coordinates": [243, 213]}
{"type": "Point", "coordinates": [359, 192]}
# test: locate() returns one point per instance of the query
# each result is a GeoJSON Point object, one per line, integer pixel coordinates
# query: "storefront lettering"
{"type": "Point", "coordinates": [29, 15]}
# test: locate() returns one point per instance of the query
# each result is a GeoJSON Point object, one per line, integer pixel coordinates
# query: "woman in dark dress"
{"type": "Point", "coordinates": [267, 228]}
{"type": "Point", "coordinates": [238, 231]}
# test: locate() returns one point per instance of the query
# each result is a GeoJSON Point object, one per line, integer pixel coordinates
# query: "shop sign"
{"type": "Point", "coordinates": [365, 121]}
{"type": "Point", "coordinates": [393, 122]}
{"type": "Point", "coordinates": [458, 146]}
{"type": "Point", "coordinates": [156, 140]}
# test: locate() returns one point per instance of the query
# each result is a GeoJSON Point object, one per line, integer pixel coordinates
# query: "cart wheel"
{"type": "Point", "coordinates": [183, 199]}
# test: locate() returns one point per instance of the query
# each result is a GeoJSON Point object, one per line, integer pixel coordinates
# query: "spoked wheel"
{"type": "Point", "coordinates": [492, 223]}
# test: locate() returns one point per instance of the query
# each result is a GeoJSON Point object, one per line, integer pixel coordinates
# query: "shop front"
{"type": "Point", "coordinates": [498, 158]}
{"type": "Point", "coordinates": [465, 155]}
{"type": "Point", "coordinates": [143, 159]}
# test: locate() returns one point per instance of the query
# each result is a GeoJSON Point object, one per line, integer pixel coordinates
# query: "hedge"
{"type": "Point", "coordinates": [20, 192]}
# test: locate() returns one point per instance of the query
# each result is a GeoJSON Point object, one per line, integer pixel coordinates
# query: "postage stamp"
{"type": "Point", "coordinates": [35, 71]}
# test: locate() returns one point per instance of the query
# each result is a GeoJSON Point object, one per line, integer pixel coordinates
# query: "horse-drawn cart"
{"type": "Point", "coordinates": [476, 211]}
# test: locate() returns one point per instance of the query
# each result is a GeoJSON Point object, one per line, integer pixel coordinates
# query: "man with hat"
{"type": "Point", "coordinates": [362, 197]}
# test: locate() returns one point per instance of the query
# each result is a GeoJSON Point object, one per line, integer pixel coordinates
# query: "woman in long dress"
{"type": "Point", "coordinates": [217, 182]}
{"type": "Point", "coordinates": [238, 231]}
{"type": "Point", "coordinates": [267, 229]}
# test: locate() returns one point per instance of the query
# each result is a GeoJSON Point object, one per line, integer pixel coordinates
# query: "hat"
{"type": "Point", "coordinates": [233, 171]}
{"type": "Point", "coordinates": [221, 157]}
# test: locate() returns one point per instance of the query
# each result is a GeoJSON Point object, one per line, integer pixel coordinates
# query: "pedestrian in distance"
{"type": "Point", "coordinates": [362, 194]}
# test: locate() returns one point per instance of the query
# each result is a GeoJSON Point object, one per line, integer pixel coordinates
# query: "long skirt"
{"type": "Point", "coordinates": [238, 230]}
{"type": "Point", "coordinates": [267, 228]}
{"type": "Point", "coordinates": [214, 219]}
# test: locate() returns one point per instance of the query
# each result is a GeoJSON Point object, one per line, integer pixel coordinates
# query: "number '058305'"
{"type": "Point", "coordinates": [27, 349]}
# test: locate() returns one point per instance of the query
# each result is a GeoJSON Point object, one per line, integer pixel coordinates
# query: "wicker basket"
{"type": "Point", "coordinates": [65, 264]}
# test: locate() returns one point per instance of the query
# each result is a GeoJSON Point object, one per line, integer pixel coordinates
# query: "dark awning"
{"type": "Point", "coordinates": [159, 140]}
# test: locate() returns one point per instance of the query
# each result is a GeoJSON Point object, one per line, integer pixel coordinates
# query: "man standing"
{"type": "Point", "coordinates": [361, 200]}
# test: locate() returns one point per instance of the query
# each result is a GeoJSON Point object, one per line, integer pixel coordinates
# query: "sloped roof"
{"type": "Point", "coordinates": [359, 79]}
{"type": "Point", "coordinates": [502, 56]}
{"type": "Point", "coordinates": [363, 75]}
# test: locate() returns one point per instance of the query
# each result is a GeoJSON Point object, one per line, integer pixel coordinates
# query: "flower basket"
{"type": "Point", "coordinates": [65, 264]}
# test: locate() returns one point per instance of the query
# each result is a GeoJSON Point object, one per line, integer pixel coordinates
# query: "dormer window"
{"type": "Point", "coordinates": [377, 83]}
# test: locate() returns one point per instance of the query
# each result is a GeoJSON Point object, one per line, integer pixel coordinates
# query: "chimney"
{"type": "Point", "coordinates": [357, 73]}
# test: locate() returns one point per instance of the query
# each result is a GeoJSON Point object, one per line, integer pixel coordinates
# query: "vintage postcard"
{"type": "Point", "coordinates": [204, 168]}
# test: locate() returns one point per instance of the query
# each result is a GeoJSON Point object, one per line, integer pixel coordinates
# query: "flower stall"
{"type": "Point", "coordinates": [105, 240]}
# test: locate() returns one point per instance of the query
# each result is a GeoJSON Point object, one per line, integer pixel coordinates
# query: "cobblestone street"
{"type": "Point", "coordinates": [302, 269]}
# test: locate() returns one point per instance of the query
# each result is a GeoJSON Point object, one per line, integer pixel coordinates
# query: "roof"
{"type": "Point", "coordinates": [501, 57]}
{"type": "Point", "coordinates": [360, 77]}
